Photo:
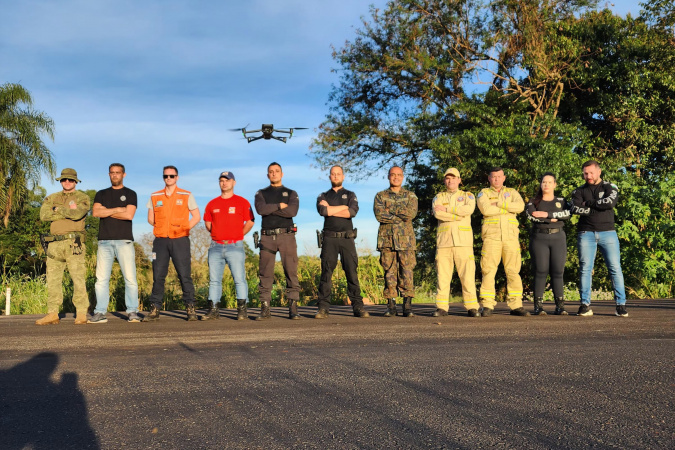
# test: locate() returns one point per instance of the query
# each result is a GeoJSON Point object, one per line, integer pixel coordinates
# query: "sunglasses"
{"type": "Point", "coordinates": [69, 180]}
{"type": "Point", "coordinates": [170, 176]}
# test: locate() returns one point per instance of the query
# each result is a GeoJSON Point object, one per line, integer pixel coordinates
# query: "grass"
{"type": "Point", "coordinates": [29, 295]}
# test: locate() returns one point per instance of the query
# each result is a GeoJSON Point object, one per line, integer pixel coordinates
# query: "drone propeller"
{"type": "Point", "coordinates": [240, 129]}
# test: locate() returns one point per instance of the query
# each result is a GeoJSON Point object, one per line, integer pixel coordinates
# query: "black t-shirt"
{"type": "Point", "coordinates": [110, 228]}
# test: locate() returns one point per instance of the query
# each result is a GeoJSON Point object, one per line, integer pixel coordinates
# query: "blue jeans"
{"type": "Point", "coordinates": [234, 256]}
{"type": "Point", "coordinates": [608, 241]}
{"type": "Point", "coordinates": [105, 257]}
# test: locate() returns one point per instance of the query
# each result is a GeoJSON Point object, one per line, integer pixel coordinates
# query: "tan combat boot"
{"type": "Point", "coordinates": [81, 318]}
{"type": "Point", "coordinates": [49, 319]}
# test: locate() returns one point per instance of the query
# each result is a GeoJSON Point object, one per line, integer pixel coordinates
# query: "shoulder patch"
{"type": "Point", "coordinates": [470, 196]}
{"type": "Point", "coordinates": [480, 194]}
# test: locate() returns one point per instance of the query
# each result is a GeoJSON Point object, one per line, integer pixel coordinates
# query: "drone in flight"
{"type": "Point", "coordinates": [267, 131]}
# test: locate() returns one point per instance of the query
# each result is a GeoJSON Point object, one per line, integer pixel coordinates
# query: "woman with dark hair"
{"type": "Point", "coordinates": [548, 243]}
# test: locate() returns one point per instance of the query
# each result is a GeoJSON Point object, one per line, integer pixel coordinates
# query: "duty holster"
{"type": "Point", "coordinates": [257, 244]}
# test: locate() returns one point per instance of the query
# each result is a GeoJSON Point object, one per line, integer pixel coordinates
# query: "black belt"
{"type": "Point", "coordinates": [547, 230]}
{"type": "Point", "coordinates": [340, 234]}
{"type": "Point", "coordinates": [275, 231]}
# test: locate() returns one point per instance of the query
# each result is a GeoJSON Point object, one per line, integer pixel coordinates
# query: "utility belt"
{"type": "Point", "coordinates": [275, 231]}
{"type": "Point", "coordinates": [340, 234]}
{"type": "Point", "coordinates": [547, 230]}
{"type": "Point", "coordinates": [46, 239]}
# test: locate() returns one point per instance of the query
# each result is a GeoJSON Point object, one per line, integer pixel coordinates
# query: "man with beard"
{"type": "Point", "coordinates": [115, 206]}
{"type": "Point", "coordinates": [277, 205]}
{"type": "Point", "coordinates": [338, 205]}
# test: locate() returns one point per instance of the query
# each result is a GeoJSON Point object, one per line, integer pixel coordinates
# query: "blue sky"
{"type": "Point", "coordinates": [154, 82]}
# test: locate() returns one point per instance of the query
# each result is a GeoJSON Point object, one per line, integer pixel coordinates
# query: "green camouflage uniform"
{"type": "Point", "coordinates": [66, 212]}
{"type": "Point", "coordinates": [396, 240]}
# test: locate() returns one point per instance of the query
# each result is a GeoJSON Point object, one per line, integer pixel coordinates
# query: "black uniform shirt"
{"type": "Point", "coordinates": [267, 205]}
{"type": "Point", "coordinates": [556, 209]}
{"type": "Point", "coordinates": [341, 197]}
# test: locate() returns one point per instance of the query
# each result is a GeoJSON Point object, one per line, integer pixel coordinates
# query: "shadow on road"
{"type": "Point", "coordinates": [38, 413]}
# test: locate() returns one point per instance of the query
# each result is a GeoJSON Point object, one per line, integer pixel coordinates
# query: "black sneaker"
{"type": "Point", "coordinates": [621, 311]}
{"type": "Point", "coordinates": [585, 310]}
{"type": "Point", "coordinates": [321, 314]}
{"type": "Point", "coordinates": [519, 312]}
{"type": "Point", "coordinates": [101, 318]}
{"type": "Point", "coordinates": [487, 312]}
{"type": "Point", "coordinates": [439, 313]}
{"type": "Point", "coordinates": [473, 313]}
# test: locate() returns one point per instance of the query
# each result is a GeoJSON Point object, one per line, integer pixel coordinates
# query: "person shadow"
{"type": "Point", "coordinates": [38, 413]}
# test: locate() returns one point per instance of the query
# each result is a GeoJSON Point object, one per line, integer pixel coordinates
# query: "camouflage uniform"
{"type": "Point", "coordinates": [396, 240]}
{"type": "Point", "coordinates": [67, 213]}
{"type": "Point", "coordinates": [500, 243]}
{"type": "Point", "coordinates": [454, 247]}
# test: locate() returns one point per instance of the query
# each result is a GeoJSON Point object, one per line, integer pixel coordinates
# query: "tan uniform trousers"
{"type": "Point", "coordinates": [447, 258]}
{"type": "Point", "coordinates": [60, 256]}
{"type": "Point", "coordinates": [508, 252]}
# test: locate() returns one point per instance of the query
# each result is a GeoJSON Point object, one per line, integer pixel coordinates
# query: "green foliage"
{"type": "Point", "coordinates": [23, 155]}
{"type": "Point", "coordinates": [20, 249]}
{"type": "Point", "coordinates": [647, 236]}
{"type": "Point", "coordinates": [563, 83]}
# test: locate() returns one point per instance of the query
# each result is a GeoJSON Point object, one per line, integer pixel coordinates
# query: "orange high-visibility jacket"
{"type": "Point", "coordinates": [172, 214]}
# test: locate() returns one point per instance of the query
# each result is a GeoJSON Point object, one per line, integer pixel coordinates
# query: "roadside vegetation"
{"type": "Point", "coordinates": [529, 85]}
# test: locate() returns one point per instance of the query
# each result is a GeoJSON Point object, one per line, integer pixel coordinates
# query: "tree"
{"type": "Point", "coordinates": [20, 249]}
{"type": "Point", "coordinates": [531, 85]}
{"type": "Point", "coordinates": [23, 154]}
{"type": "Point", "coordinates": [410, 65]}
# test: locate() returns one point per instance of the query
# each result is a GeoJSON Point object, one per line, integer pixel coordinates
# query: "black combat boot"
{"type": "Point", "coordinates": [293, 310]}
{"type": "Point", "coordinates": [539, 307]}
{"type": "Point", "coordinates": [391, 308]}
{"type": "Point", "coordinates": [407, 307]}
{"type": "Point", "coordinates": [519, 312]}
{"type": "Point", "coordinates": [153, 316]}
{"type": "Point", "coordinates": [360, 312]}
{"type": "Point", "coordinates": [265, 312]}
{"type": "Point", "coordinates": [242, 313]}
{"type": "Point", "coordinates": [213, 312]}
{"type": "Point", "coordinates": [560, 307]}
{"type": "Point", "coordinates": [191, 313]}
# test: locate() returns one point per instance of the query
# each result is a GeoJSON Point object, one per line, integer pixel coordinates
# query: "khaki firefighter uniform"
{"type": "Point", "coordinates": [454, 246]}
{"type": "Point", "coordinates": [500, 243]}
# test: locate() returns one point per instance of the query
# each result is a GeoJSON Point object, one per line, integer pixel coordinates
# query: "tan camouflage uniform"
{"type": "Point", "coordinates": [500, 243]}
{"type": "Point", "coordinates": [66, 212]}
{"type": "Point", "coordinates": [396, 240]}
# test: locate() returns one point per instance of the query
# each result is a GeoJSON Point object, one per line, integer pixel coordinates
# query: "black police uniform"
{"type": "Point", "coordinates": [338, 239]}
{"type": "Point", "coordinates": [548, 244]}
{"type": "Point", "coordinates": [278, 235]}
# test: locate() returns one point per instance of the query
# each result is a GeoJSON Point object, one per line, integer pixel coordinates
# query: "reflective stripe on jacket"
{"type": "Point", "coordinates": [172, 214]}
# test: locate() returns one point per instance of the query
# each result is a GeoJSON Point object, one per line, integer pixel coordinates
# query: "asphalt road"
{"type": "Point", "coordinates": [343, 382]}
